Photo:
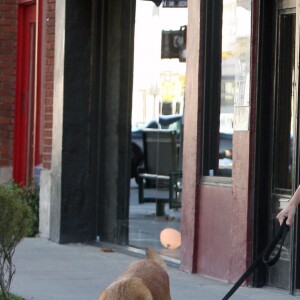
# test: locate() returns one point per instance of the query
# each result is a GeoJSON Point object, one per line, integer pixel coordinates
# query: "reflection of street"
{"type": "Point", "coordinates": [145, 227]}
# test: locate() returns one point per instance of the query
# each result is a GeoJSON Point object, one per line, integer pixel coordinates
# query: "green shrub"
{"type": "Point", "coordinates": [31, 197]}
{"type": "Point", "coordinates": [12, 297]}
{"type": "Point", "coordinates": [15, 224]}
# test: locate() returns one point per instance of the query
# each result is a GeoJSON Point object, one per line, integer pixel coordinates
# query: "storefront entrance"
{"type": "Point", "coordinates": [280, 129]}
{"type": "Point", "coordinates": [283, 135]}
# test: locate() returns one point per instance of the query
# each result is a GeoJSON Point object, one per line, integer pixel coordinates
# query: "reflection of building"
{"type": "Point", "coordinates": [149, 65]}
{"type": "Point", "coordinates": [172, 93]}
{"type": "Point", "coordinates": [84, 138]}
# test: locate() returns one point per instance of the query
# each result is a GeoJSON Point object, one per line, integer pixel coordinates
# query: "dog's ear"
{"type": "Point", "coordinates": [154, 256]}
{"type": "Point", "coordinates": [102, 295]}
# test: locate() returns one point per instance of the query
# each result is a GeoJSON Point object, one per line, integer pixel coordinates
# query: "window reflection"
{"type": "Point", "coordinates": [235, 69]}
{"type": "Point", "coordinates": [284, 136]}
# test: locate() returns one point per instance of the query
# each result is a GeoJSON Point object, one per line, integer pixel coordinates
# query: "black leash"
{"type": "Point", "coordinates": [263, 258]}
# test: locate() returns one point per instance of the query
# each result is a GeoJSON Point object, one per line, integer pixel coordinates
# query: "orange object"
{"type": "Point", "coordinates": [170, 238]}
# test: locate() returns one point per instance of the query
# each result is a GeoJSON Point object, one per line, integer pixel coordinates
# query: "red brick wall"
{"type": "Point", "coordinates": [8, 38]}
{"type": "Point", "coordinates": [48, 70]}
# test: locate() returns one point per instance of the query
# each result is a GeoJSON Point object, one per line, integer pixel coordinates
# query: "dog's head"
{"type": "Point", "coordinates": [145, 279]}
{"type": "Point", "coordinates": [127, 288]}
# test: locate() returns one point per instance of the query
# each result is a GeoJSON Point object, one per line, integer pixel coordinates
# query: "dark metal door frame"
{"type": "Point", "coordinates": [263, 167]}
{"type": "Point", "coordinates": [282, 165]}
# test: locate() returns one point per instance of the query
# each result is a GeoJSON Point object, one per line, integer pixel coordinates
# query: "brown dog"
{"type": "Point", "coordinates": [145, 279]}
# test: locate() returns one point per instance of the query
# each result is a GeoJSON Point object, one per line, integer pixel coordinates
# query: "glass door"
{"type": "Point", "coordinates": [157, 110]}
{"type": "Point", "coordinates": [283, 139]}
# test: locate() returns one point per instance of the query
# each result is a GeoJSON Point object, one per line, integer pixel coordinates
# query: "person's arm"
{"type": "Point", "coordinates": [290, 209]}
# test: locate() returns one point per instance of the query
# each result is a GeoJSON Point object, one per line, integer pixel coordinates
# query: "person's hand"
{"type": "Point", "coordinates": [290, 210]}
{"type": "Point", "coordinates": [287, 213]}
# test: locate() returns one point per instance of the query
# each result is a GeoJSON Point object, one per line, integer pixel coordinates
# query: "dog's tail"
{"type": "Point", "coordinates": [154, 256]}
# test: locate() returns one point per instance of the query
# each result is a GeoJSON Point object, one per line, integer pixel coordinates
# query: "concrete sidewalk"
{"type": "Point", "coordinates": [48, 271]}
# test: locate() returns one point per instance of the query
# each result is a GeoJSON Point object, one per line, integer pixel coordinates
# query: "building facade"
{"type": "Point", "coordinates": [66, 102]}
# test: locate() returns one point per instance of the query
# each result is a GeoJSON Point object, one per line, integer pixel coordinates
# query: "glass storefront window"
{"type": "Point", "coordinates": [231, 106]}
{"type": "Point", "coordinates": [157, 110]}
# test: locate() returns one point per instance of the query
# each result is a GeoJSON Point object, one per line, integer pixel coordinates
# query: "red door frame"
{"type": "Point", "coordinates": [27, 117]}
